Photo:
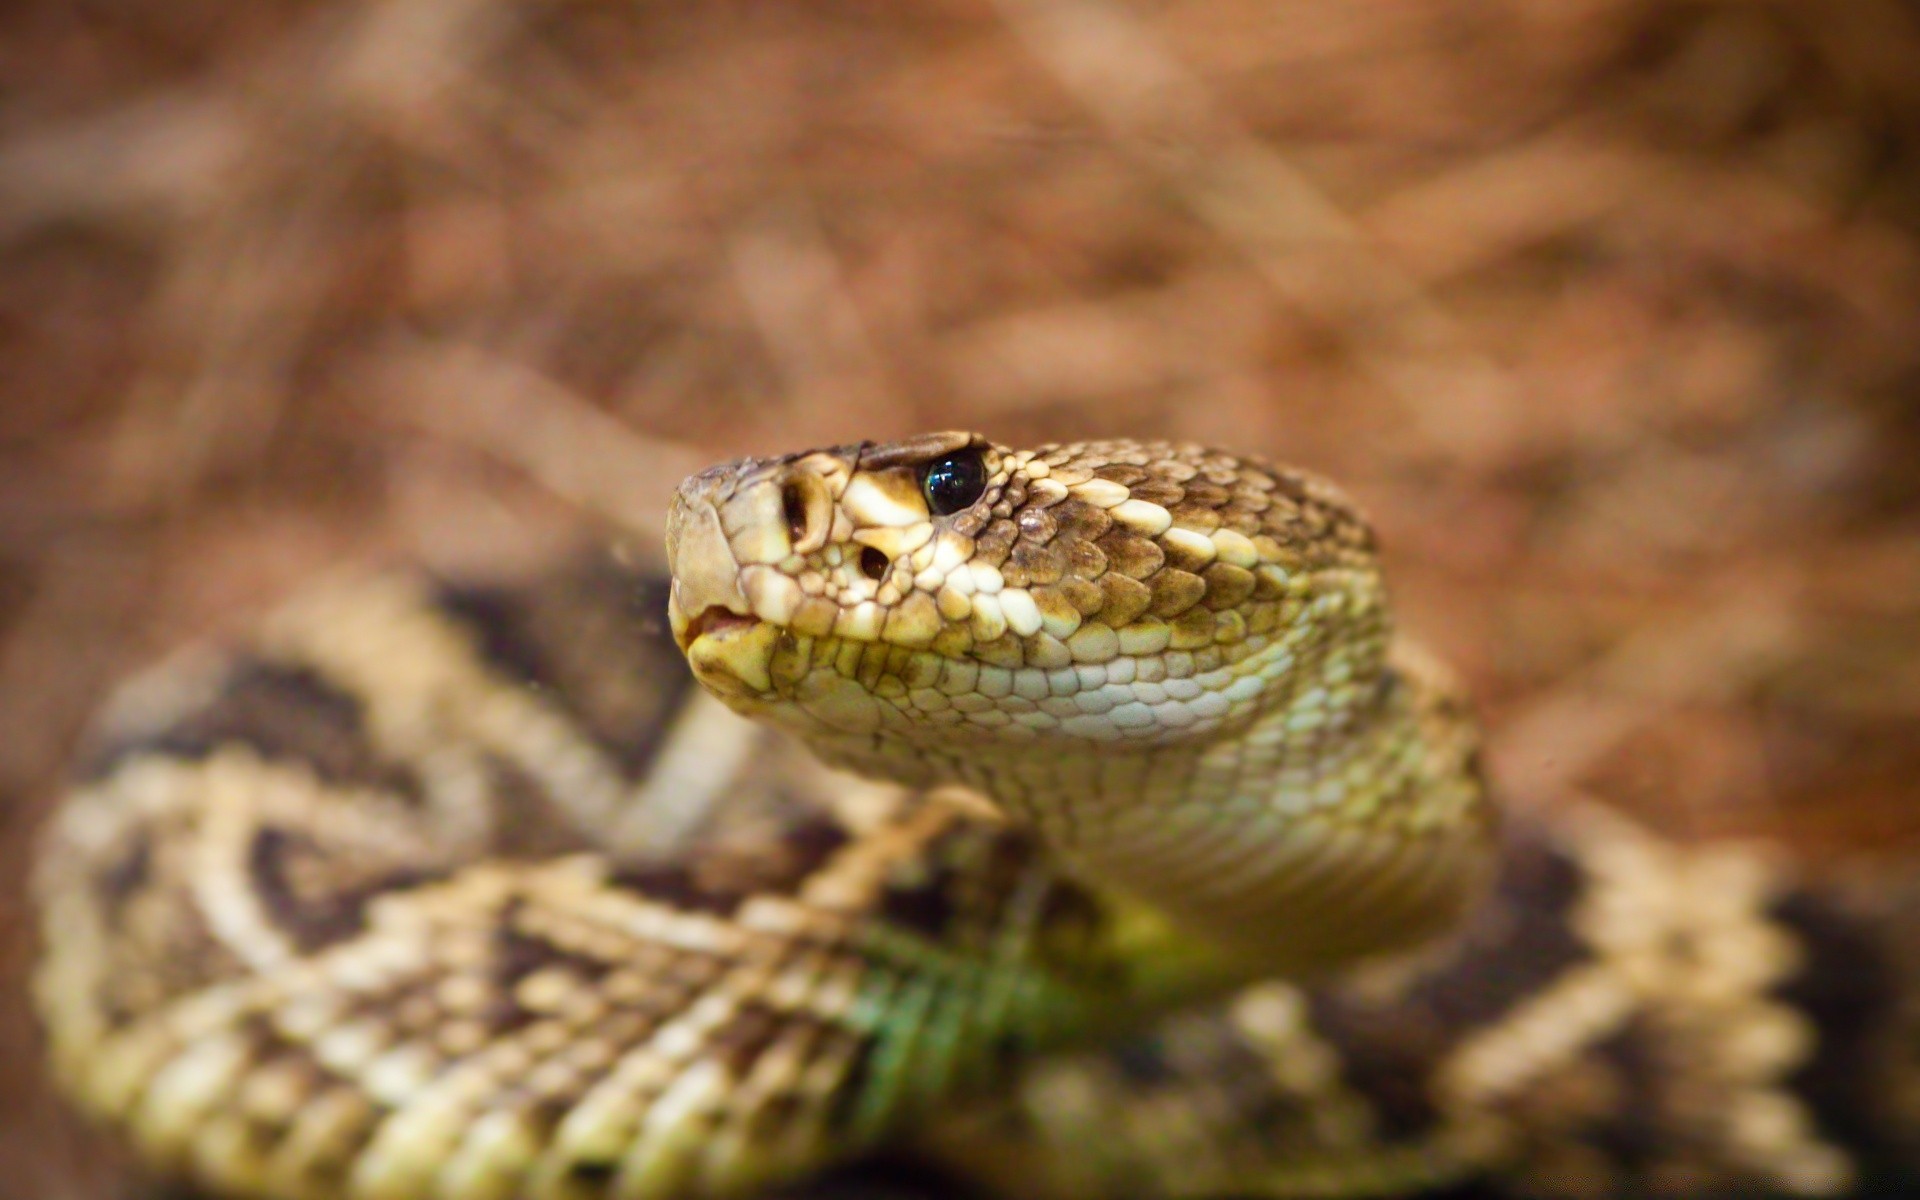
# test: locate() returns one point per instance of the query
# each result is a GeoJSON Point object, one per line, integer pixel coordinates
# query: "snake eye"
{"type": "Point", "coordinates": [954, 482]}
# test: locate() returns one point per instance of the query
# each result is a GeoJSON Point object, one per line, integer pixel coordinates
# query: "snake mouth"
{"type": "Point", "coordinates": [714, 619]}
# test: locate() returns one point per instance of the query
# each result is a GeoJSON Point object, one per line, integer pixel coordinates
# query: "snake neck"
{"type": "Point", "coordinates": [1347, 822]}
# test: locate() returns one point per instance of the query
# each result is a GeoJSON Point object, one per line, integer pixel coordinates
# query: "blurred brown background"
{"type": "Point", "coordinates": [1609, 309]}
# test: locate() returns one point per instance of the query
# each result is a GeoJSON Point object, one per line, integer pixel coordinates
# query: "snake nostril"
{"type": "Point", "coordinates": [874, 564]}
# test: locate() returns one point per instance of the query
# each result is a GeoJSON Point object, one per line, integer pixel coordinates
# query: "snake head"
{"type": "Point", "coordinates": [945, 591]}
{"type": "Point", "coordinates": [845, 546]}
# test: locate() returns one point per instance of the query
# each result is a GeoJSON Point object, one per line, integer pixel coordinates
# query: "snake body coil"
{"type": "Point", "coordinates": [464, 892]}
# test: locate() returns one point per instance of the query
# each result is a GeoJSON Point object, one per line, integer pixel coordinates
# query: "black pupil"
{"type": "Point", "coordinates": [954, 482]}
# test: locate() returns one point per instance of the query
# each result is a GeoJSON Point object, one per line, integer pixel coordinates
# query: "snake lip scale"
{"type": "Point", "coordinates": [714, 621]}
{"type": "Point", "coordinates": [1090, 833]}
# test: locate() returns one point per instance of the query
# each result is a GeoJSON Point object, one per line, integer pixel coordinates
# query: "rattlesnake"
{"type": "Point", "coordinates": [1147, 863]}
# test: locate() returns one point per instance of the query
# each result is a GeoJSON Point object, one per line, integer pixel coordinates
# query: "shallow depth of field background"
{"type": "Point", "coordinates": [1608, 309]}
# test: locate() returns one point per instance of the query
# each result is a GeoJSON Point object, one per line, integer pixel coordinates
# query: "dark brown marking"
{"type": "Point", "coordinates": [336, 912]}
{"type": "Point", "coordinates": [1163, 492]}
{"type": "Point", "coordinates": [1205, 494]}
{"type": "Point", "coordinates": [925, 908]}
{"type": "Point", "coordinates": [526, 825]}
{"type": "Point", "coordinates": [1124, 599]}
{"type": "Point", "coordinates": [280, 712]}
{"type": "Point", "coordinates": [911, 452]}
{"type": "Point", "coordinates": [1228, 586]}
{"type": "Point", "coordinates": [1086, 597]}
{"type": "Point", "coordinates": [1197, 517]}
{"type": "Point", "coordinates": [498, 619]}
{"type": "Point", "coordinates": [852, 1086]}
{"type": "Point", "coordinates": [810, 844]}
{"type": "Point", "coordinates": [673, 883]}
{"type": "Point", "coordinates": [1386, 1055]}
{"type": "Point", "coordinates": [1130, 554]}
{"type": "Point", "coordinates": [1290, 484]}
{"type": "Point", "coordinates": [718, 878]}
{"type": "Point", "coordinates": [739, 1043]}
{"type": "Point", "coordinates": [597, 1174]}
{"type": "Point", "coordinates": [992, 544]}
{"type": "Point", "coordinates": [1072, 924]}
{"type": "Point", "coordinates": [592, 641]}
{"type": "Point", "coordinates": [1850, 990]}
{"type": "Point", "coordinates": [971, 522]}
{"type": "Point", "coordinates": [1175, 591]}
{"type": "Point", "coordinates": [1080, 521]}
{"type": "Point", "coordinates": [1037, 523]}
{"type": "Point", "coordinates": [1034, 563]}
{"type": "Point", "coordinates": [1518, 944]}
{"type": "Point", "coordinates": [1523, 940]}
{"type": "Point", "coordinates": [128, 874]}
{"type": "Point", "coordinates": [516, 955]}
{"type": "Point", "coordinates": [773, 1116]}
{"type": "Point", "coordinates": [1635, 1133]}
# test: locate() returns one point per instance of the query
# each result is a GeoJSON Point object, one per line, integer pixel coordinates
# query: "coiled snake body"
{"type": "Point", "coordinates": [457, 891]}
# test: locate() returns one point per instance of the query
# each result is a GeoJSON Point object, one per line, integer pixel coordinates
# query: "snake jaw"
{"type": "Point", "coordinates": [734, 657]}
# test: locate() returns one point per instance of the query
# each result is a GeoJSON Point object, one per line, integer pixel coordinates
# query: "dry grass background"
{"type": "Point", "coordinates": [1610, 309]}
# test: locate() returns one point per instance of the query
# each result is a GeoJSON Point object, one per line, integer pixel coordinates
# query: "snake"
{"type": "Point", "coordinates": [1070, 820]}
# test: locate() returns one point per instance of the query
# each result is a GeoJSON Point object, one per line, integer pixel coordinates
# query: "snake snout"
{"type": "Point", "coordinates": [706, 572]}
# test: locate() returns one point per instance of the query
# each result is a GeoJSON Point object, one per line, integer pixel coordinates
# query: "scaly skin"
{"type": "Point", "coordinates": [465, 892]}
